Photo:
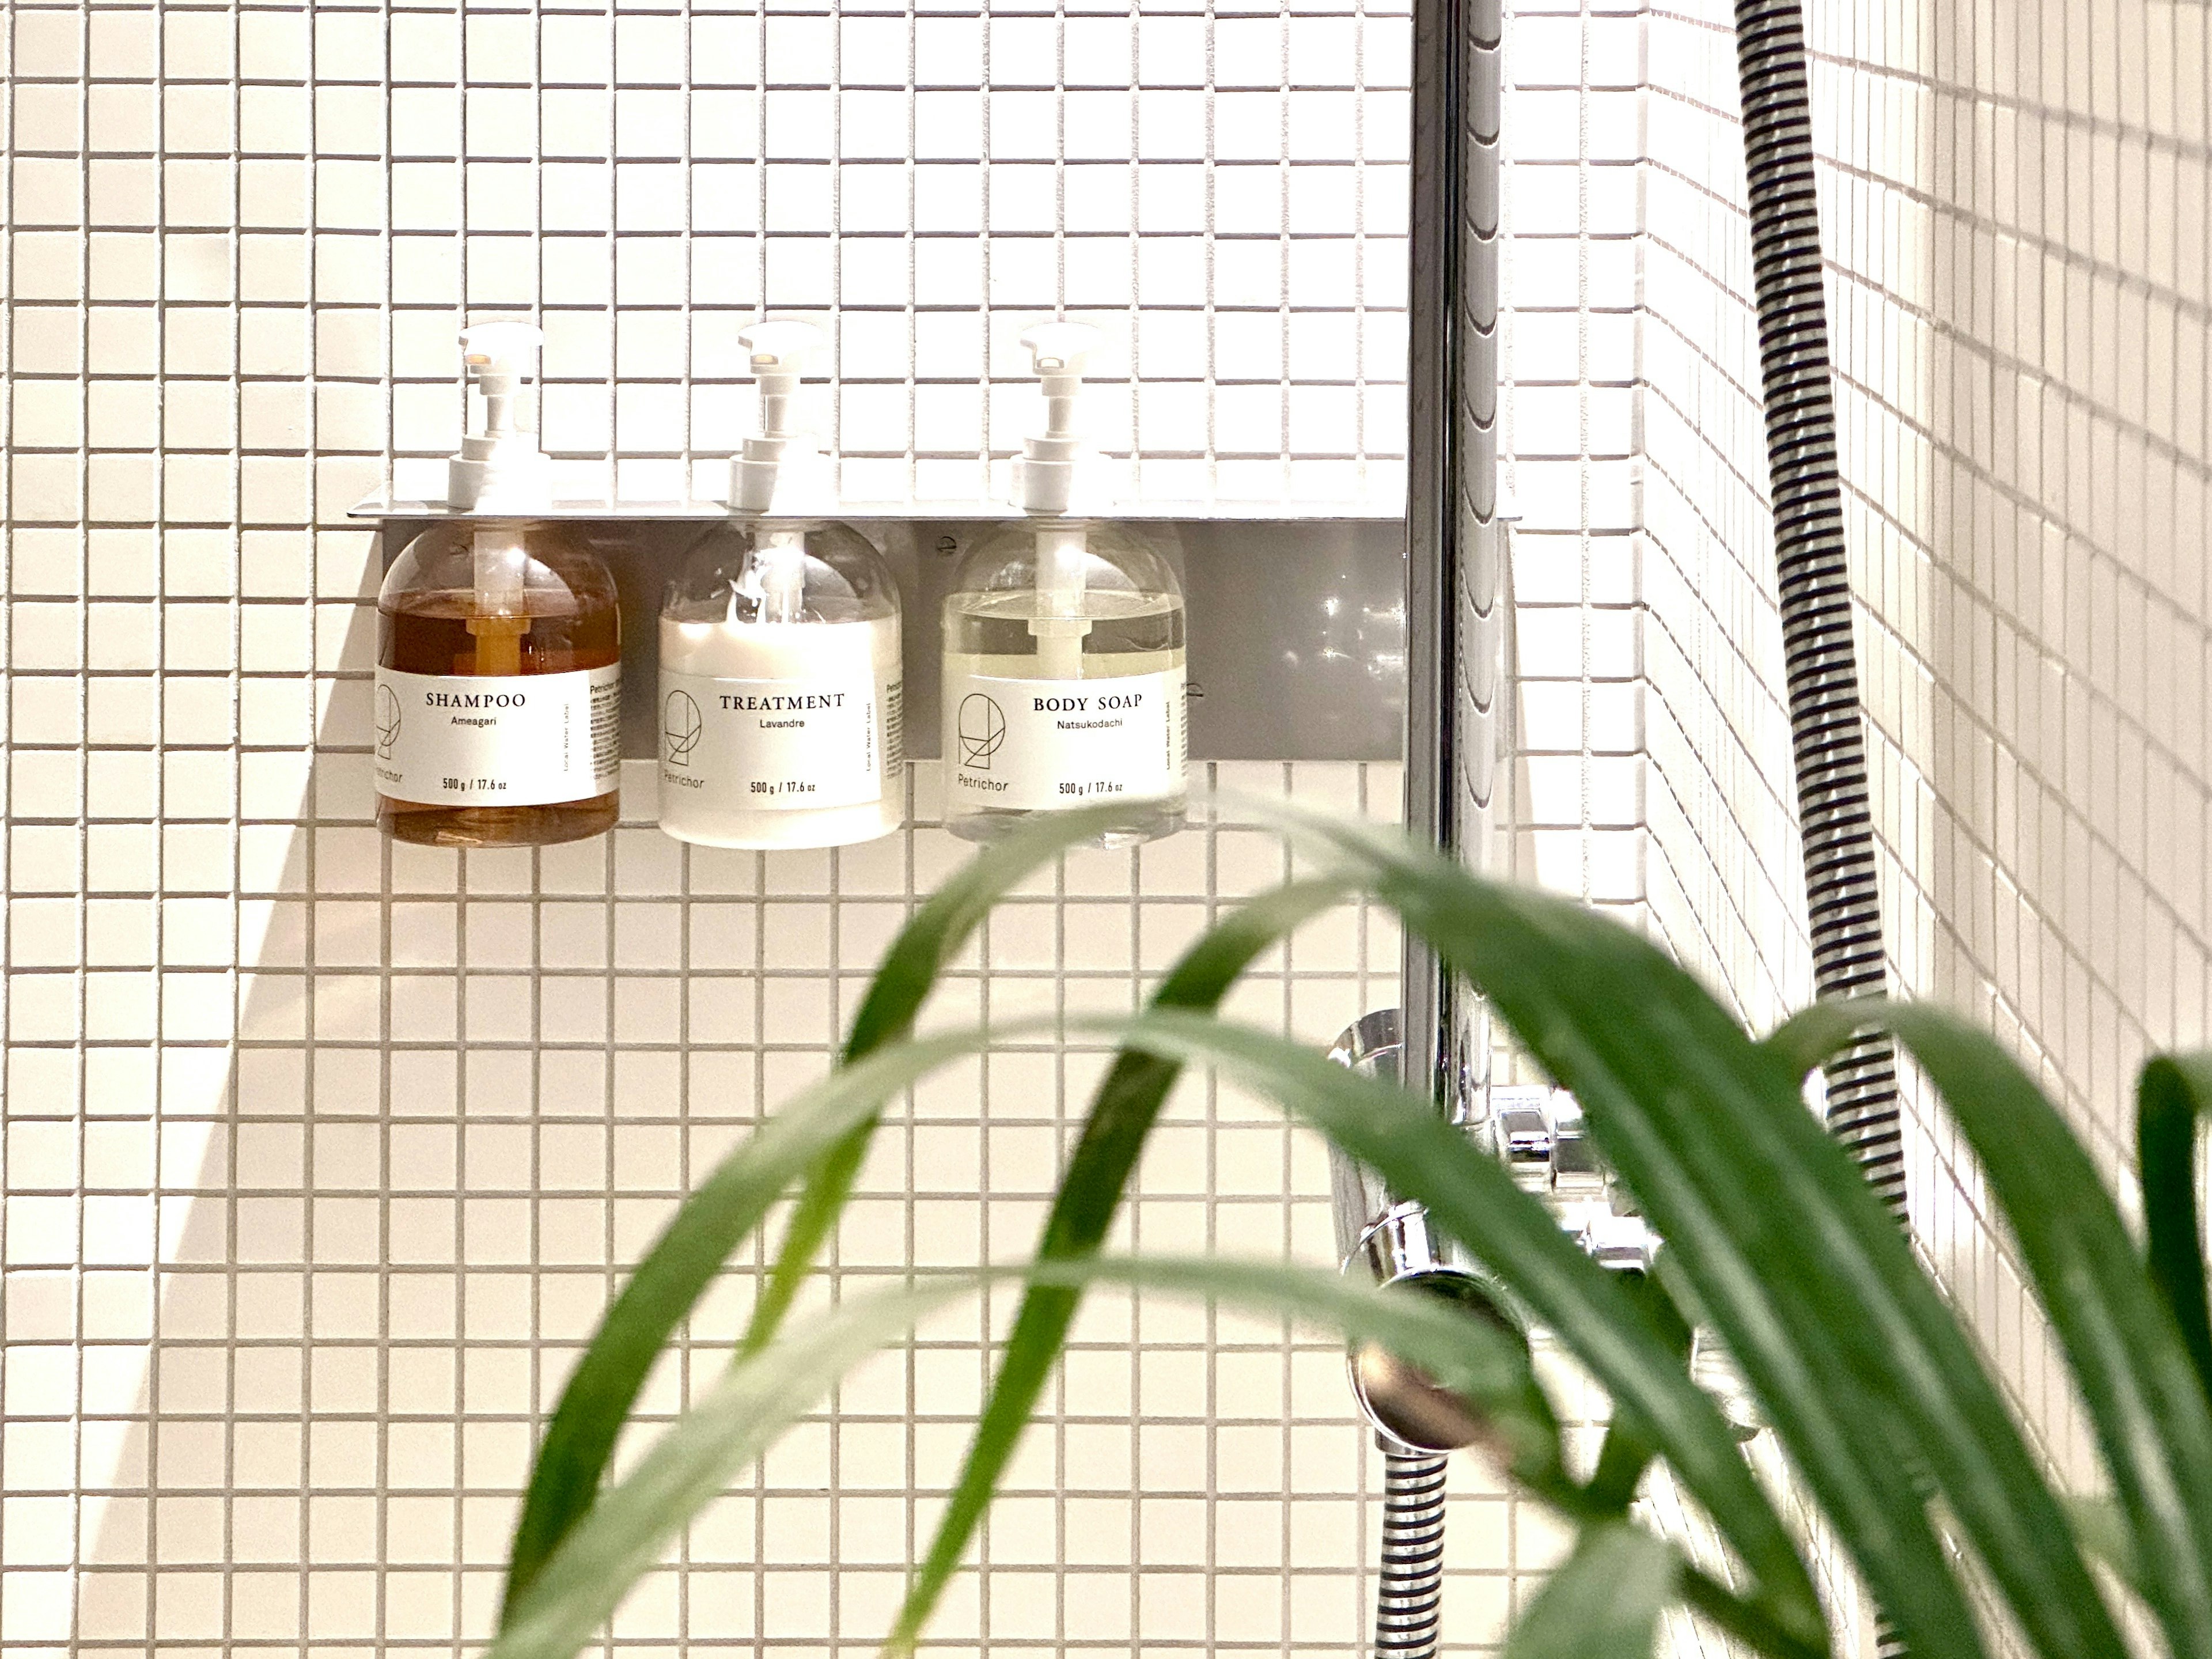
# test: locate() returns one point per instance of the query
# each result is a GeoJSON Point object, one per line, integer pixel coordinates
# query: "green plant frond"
{"type": "Point", "coordinates": [933, 936]}
{"type": "Point", "coordinates": [755, 1401]}
{"type": "Point", "coordinates": [1122, 1112]}
{"type": "Point", "coordinates": [1469, 1356]}
{"type": "Point", "coordinates": [1774, 1227]}
{"type": "Point", "coordinates": [2173, 1097]}
{"type": "Point", "coordinates": [1877, 1395]}
{"type": "Point", "coordinates": [683, 1262]}
{"type": "Point", "coordinates": [1472, 1197]}
{"type": "Point", "coordinates": [623, 1535]}
{"type": "Point", "coordinates": [2138, 1382]}
{"type": "Point", "coordinates": [2103, 1531]}
{"type": "Point", "coordinates": [941, 927]}
{"type": "Point", "coordinates": [1627, 1450]}
{"type": "Point", "coordinates": [1604, 1600]}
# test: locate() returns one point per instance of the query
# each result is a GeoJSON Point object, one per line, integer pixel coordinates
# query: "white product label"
{"type": "Point", "coordinates": [498, 740]}
{"type": "Point", "coordinates": [732, 745]}
{"type": "Point", "coordinates": [1026, 744]}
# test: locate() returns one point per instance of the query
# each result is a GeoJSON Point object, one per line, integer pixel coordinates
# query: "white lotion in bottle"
{"type": "Point", "coordinates": [780, 671]}
{"type": "Point", "coordinates": [1064, 657]}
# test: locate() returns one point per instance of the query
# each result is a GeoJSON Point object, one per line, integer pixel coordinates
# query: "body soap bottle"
{"type": "Point", "coordinates": [781, 722]}
{"type": "Point", "coordinates": [1064, 676]}
{"type": "Point", "coordinates": [499, 646]}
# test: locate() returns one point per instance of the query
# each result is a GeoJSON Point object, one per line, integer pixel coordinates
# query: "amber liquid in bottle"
{"type": "Point", "coordinates": [568, 623]}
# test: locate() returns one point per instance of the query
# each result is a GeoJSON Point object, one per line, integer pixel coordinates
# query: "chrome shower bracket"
{"type": "Point", "coordinates": [1538, 1132]}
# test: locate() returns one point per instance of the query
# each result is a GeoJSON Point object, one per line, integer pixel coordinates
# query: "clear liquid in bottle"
{"type": "Point", "coordinates": [1064, 682]}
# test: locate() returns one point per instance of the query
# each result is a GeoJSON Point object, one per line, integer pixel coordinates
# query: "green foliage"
{"type": "Point", "coordinates": [1121, 1114]}
{"type": "Point", "coordinates": [698, 1243]}
{"type": "Point", "coordinates": [1876, 1394]}
{"type": "Point", "coordinates": [2172, 1100]}
{"type": "Point", "coordinates": [1605, 1600]}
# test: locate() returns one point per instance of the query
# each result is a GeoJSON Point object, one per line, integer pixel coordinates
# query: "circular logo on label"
{"type": "Point", "coordinates": [387, 720]}
{"type": "Point", "coordinates": [680, 726]}
{"type": "Point", "coordinates": [982, 729]}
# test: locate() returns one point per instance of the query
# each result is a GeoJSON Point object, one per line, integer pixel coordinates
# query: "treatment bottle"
{"type": "Point", "coordinates": [499, 644]}
{"type": "Point", "coordinates": [781, 677]}
{"type": "Point", "coordinates": [1064, 660]}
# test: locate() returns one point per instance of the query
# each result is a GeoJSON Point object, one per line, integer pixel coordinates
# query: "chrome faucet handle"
{"type": "Point", "coordinates": [1519, 1131]}
{"type": "Point", "coordinates": [1625, 1243]}
{"type": "Point", "coordinates": [1576, 1170]}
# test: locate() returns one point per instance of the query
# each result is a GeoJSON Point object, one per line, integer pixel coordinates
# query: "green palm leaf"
{"type": "Point", "coordinates": [1472, 1196]}
{"type": "Point", "coordinates": [682, 1261]}
{"type": "Point", "coordinates": [618, 1540]}
{"type": "Point", "coordinates": [1604, 1600]}
{"type": "Point", "coordinates": [2143, 1393]}
{"type": "Point", "coordinates": [1771, 1225]}
{"type": "Point", "coordinates": [2172, 1099]}
{"type": "Point", "coordinates": [758, 1398]}
{"type": "Point", "coordinates": [938, 932]}
{"type": "Point", "coordinates": [1697, 1121]}
{"type": "Point", "coordinates": [573, 1456]}
{"type": "Point", "coordinates": [1627, 1450]}
{"type": "Point", "coordinates": [1876, 1392]}
{"type": "Point", "coordinates": [1122, 1112]}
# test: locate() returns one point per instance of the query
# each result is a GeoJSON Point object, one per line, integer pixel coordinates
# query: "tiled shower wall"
{"type": "Point", "coordinates": [2048, 763]}
{"type": "Point", "coordinates": [322, 1155]}
{"type": "Point", "coordinates": [287, 1282]}
{"type": "Point", "coordinates": [2014, 201]}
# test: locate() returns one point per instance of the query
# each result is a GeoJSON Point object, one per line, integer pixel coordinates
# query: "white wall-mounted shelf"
{"type": "Point", "coordinates": [384, 506]}
{"type": "Point", "coordinates": [1297, 623]}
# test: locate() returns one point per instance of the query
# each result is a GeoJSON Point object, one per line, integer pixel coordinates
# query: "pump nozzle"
{"type": "Point", "coordinates": [1044, 472]}
{"type": "Point", "coordinates": [776, 468]}
{"type": "Point", "coordinates": [779, 358]}
{"type": "Point", "coordinates": [500, 469]}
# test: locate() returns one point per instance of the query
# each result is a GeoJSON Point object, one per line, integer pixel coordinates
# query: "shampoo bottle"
{"type": "Point", "coordinates": [1064, 677]}
{"type": "Point", "coordinates": [781, 722]}
{"type": "Point", "coordinates": [499, 644]}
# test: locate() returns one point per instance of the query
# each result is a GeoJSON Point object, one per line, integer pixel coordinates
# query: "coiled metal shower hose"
{"type": "Point", "coordinates": [1411, 1588]}
{"type": "Point", "coordinates": [1843, 905]}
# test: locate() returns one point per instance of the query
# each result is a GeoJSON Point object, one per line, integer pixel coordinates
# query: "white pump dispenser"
{"type": "Point", "coordinates": [781, 470]}
{"type": "Point", "coordinates": [500, 469]}
{"type": "Point", "coordinates": [1044, 473]}
{"type": "Point", "coordinates": [499, 644]}
{"type": "Point", "coordinates": [1044, 480]}
{"type": "Point", "coordinates": [1064, 661]}
{"type": "Point", "coordinates": [780, 671]}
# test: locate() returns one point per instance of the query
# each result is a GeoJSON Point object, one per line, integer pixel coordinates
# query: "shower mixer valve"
{"type": "Point", "coordinates": [1538, 1132]}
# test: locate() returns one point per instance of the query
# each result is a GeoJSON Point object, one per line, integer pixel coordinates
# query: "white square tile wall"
{"type": "Point", "coordinates": [1572, 137]}
{"type": "Point", "coordinates": [1726, 889]}
{"type": "Point", "coordinates": [2015, 203]}
{"type": "Point", "coordinates": [323, 1156]}
{"type": "Point", "coordinates": [282, 1274]}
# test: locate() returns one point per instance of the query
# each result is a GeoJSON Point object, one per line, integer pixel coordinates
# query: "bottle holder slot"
{"type": "Point", "coordinates": [1297, 626]}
